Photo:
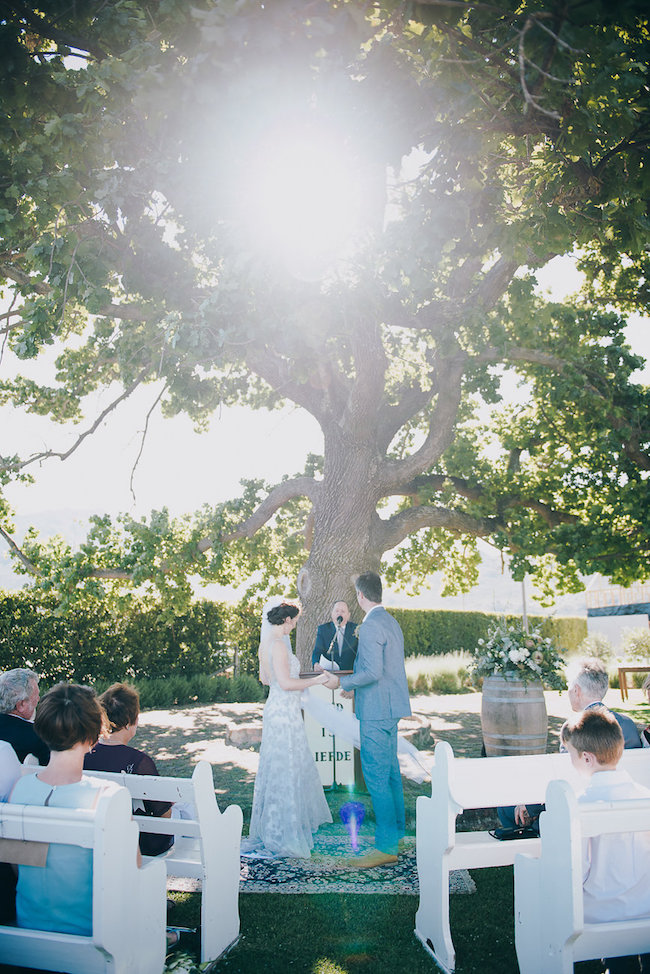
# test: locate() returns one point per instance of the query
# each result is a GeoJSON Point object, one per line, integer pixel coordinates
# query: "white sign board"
{"type": "Point", "coordinates": [334, 756]}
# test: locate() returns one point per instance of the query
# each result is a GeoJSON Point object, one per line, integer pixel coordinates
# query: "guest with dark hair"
{"type": "Point", "coordinates": [288, 802]}
{"type": "Point", "coordinates": [58, 896]}
{"type": "Point", "coordinates": [18, 698]}
{"type": "Point", "coordinates": [113, 752]}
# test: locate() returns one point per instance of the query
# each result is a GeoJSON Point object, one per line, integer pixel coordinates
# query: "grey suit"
{"type": "Point", "coordinates": [381, 698]}
{"type": "Point", "coordinates": [631, 737]}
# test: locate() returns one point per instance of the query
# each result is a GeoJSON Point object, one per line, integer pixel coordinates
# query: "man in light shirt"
{"type": "Point", "coordinates": [616, 867]}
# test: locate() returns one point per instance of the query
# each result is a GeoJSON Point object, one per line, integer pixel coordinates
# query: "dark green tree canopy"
{"type": "Point", "coordinates": [135, 139]}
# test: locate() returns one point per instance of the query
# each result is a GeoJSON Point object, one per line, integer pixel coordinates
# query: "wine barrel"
{"type": "Point", "coordinates": [513, 717]}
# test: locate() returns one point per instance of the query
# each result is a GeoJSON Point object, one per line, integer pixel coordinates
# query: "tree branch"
{"type": "Point", "coordinates": [280, 495]}
{"type": "Point", "coordinates": [31, 568]}
{"type": "Point", "coordinates": [437, 482]}
{"type": "Point", "coordinates": [441, 426]}
{"type": "Point", "coordinates": [47, 454]}
{"type": "Point", "coordinates": [24, 280]}
{"type": "Point", "coordinates": [410, 400]}
{"type": "Point", "coordinates": [393, 531]}
{"type": "Point", "coordinates": [144, 437]}
{"type": "Point", "coordinates": [533, 356]}
{"type": "Point", "coordinates": [46, 28]}
{"type": "Point", "coordinates": [370, 366]}
{"type": "Point", "coordinates": [273, 369]}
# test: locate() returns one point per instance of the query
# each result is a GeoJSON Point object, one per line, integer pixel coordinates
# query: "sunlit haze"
{"type": "Point", "coordinates": [303, 203]}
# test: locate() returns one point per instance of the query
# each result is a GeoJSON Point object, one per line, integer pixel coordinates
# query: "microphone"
{"type": "Point", "coordinates": [339, 620]}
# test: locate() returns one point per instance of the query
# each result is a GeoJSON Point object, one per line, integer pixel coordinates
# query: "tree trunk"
{"type": "Point", "coordinates": [342, 548]}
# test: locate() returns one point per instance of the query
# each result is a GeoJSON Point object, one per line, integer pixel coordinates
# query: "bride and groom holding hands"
{"type": "Point", "coordinates": [289, 804]}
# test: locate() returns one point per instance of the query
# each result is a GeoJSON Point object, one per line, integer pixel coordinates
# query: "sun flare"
{"type": "Point", "coordinates": [305, 197]}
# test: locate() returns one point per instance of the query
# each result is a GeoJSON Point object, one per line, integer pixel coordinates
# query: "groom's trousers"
{"type": "Point", "coordinates": [378, 739]}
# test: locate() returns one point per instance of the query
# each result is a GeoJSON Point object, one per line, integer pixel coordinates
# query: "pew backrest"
{"type": "Point", "coordinates": [550, 930]}
{"type": "Point", "coordinates": [206, 846]}
{"type": "Point", "coordinates": [129, 904]}
{"type": "Point", "coordinates": [458, 784]}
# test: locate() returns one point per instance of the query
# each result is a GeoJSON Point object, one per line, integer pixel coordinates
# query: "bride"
{"type": "Point", "coordinates": [288, 802]}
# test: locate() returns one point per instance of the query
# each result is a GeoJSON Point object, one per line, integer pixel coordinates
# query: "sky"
{"type": "Point", "coordinates": [180, 469]}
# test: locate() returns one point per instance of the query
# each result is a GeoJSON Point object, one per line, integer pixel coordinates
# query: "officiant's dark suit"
{"type": "Point", "coordinates": [382, 697]}
{"type": "Point", "coordinates": [326, 638]}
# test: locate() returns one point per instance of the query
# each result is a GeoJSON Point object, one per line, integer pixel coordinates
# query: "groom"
{"type": "Point", "coordinates": [381, 693]}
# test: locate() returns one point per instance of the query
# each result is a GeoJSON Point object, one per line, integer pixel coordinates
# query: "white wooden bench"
{"type": "Point", "coordinates": [461, 783]}
{"type": "Point", "coordinates": [205, 848]}
{"type": "Point", "coordinates": [129, 904]}
{"type": "Point", "coordinates": [550, 930]}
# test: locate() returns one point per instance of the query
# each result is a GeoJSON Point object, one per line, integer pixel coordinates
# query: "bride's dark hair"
{"type": "Point", "coordinates": [280, 613]}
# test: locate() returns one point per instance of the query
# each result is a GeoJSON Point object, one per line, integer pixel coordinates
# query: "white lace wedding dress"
{"type": "Point", "coordinates": [288, 803]}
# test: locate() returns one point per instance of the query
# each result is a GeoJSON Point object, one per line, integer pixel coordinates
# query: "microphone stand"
{"type": "Point", "coordinates": [334, 785]}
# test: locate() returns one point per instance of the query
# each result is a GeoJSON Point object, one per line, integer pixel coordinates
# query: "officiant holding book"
{"type": "Point", "coordinates": [336, 640]}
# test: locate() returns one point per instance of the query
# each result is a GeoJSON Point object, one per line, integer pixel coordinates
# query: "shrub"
{"type": "Point", "coordinates": [247, 689]}
{"type": "Point", "coordinates": [421, 684]}
{"type": "Point", "coordinates": [445, 683]}
{"type": "Point", "coordinates": [155, 694]}
{"type": "Point", "coordinates": [635, 645]}
{"type": "Point", "coordinates": [438, 674]}
{"type": "Point", "coordinates": [597, 646]}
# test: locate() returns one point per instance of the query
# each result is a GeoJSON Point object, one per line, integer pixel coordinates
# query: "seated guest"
{"type": "Point", "coordinates": [114, 753]}
{"type": "Point", "coordinates": [10, 769]}
{"type": "Point", "coordinates": [587, 688]}
{"type": "Point", "coordinates": [18, 698]}
{"type": "Point", "coordinates": [615, 867]}
{"type": "Point", "coordinates": [59, 896]}
{"type": "Point", "coordinates": [336, 640]}
{"type": "Point", "coordinates": [9, 773]}
{"type": "Point", "coordinates": [588, 684]}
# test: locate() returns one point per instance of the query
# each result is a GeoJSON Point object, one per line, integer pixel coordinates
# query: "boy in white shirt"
{"type": "Point", "coordinates": [616, 867]}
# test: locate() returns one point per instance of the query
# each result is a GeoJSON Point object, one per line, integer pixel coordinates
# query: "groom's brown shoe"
{"type": "Point", "coordinates": [371, 859]}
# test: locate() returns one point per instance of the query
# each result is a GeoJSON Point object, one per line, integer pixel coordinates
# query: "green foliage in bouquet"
{"type": "Point", "coordinates": [513, 653]}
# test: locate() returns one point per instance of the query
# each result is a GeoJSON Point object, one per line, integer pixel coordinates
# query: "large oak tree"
{"type": "Point", "coordinates": [136, 138]}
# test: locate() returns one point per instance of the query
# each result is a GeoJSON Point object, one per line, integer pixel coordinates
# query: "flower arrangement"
{"type": "Point", "coordinates": [513, 653]}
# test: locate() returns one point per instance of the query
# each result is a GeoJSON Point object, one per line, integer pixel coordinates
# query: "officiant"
{"type": "Point", "coordinates": [336, 640]}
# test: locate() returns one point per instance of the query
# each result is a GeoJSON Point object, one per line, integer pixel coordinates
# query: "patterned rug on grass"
{"type": "Point", "coordinates": [323, 873]}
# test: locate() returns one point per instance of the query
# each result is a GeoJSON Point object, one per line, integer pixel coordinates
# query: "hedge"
{"type": "Point", "coordinates": [90, 646]}
{"type": "Point", "coordinates": [98, 647]}
{"type": "Point", "coordinates": [434, 632]}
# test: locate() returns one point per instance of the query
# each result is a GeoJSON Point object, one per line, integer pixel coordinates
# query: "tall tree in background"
{"type": "Point", "coordinates": [145, 147]}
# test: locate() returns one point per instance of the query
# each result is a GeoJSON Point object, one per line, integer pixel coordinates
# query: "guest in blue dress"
{"type": "Point", "coordinates": [59, 895]}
